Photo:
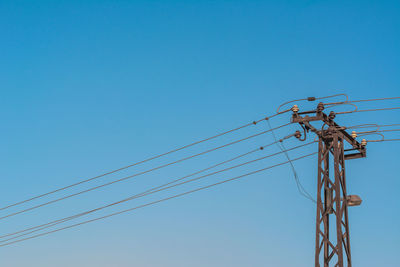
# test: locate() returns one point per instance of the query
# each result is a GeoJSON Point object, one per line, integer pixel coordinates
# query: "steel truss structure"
{"type": "Point", "coordinates": [332, 244]}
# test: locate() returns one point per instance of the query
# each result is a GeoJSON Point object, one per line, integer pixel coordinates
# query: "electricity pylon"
{"type": "Point", "coordinates": [332, 244]}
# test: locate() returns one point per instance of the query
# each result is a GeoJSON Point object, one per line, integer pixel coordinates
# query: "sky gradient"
{"type": "Point", "coordinates": [90, 86]}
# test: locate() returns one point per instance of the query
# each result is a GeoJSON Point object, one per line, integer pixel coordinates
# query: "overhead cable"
{"type": "Point", "coordinates": [157, 187]}
{"type": "Point", "coordinates": [300, 187]}
{"type": "Point", "coordinates": [153, 190]}
{"type": "Point", "coordinates": [311, 99]}
{"type": "Point", "coordinates": [364, 100]}
{"type": "Point", "coordinates": [137, 174]}
{"type": "Point", "coordinates": [154, 202]}
{"type": "Point", "coordinates": [138, 163]}
{"type": "Point", "coordinates": [366, 110]}
{"type": "Point", "coordinates": [384, 140]}
{"type": "Point", "coordinates": [379, 131]}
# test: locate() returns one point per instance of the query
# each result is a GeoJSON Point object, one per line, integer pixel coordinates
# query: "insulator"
{"type": "Point", "coordinates": [295, 108]}
{"type": "Point", "coordinates": [297, 134]}
{"type": "Point", "coordinates": [332, 115]}
{"type": "Point", "coordinates": [363, 142]}
{"type": "Point", "coordinates": [353, 134]}
{"type": "Point", "coordinates": [320, 107]}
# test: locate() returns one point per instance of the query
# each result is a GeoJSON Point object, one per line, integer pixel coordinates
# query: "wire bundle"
{"type": "Point", "coordinates": [47, 228]}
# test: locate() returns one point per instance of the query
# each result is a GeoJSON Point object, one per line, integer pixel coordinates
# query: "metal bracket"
{"type": "Point", "coordinates": [333, 126]}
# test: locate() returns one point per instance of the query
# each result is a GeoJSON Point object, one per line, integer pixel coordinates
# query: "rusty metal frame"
{"type": "Point", "coordinates": [331, 247]}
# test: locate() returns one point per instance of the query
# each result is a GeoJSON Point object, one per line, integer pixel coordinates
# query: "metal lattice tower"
{"type": "Point", "coordinates": [332, 245]}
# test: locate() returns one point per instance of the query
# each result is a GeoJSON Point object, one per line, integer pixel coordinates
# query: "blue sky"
{"type": "Point", "coordinates": [90, 86]}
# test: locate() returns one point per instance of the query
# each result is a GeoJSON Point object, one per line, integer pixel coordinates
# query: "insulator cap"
{"type": "Point", "coordinates": [295, 108]}
{"type": "Point", "coordinates": [353, 134]}
{"type": "Point", "coordinates": [363, 142]}
{"type": "Point", "coordinates": [297, 134]}
{"type": "Point", "coordinates": [332, 115]}
{"type": "Point", "coordinates": [320, 107]}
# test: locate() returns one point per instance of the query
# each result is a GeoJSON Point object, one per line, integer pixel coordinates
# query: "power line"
{"type": "Point", "coordinates": [384, 140]}
{"type": "Point", "coordinates": [365, 125]}
{"type": "Point", "coordinates": [347, 102]}
{"type": "Point", "coordinates": [310, 99]}
{"type": "Point", "coordinates": [139, 162]}
{"type": "Point", "coordinates": [389, 125]}
{"type": "Point", "coordinates": [151, 191]}
{"type": "Point", "coordinates": [332, 245]}
{"type": "Point", "coordinates": [340, 104]}
{"type": "Point", "coordinates": [300, 187]}
{"type": "Point", "coordinates": [137, 174]}
{"type": "Point", "coordinates": [154, 188]}
{"type": "Point", "coordinates": [370, 125]}
{"type": "Point", "coordinates": [331, 141]}
{"type": "Point", "coordinates": [379, 131]}
{"type": "Point", "coordinates": [155, 202]}
{"type": "Point", "coordinates": [364, 100]}
{"type": "Point", "coordinates": [365, 110]}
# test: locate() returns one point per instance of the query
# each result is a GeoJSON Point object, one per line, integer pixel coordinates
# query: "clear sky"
{"type": "Point", "coordinates": [90, 86]}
